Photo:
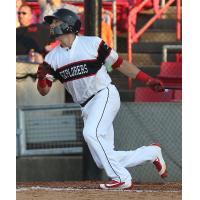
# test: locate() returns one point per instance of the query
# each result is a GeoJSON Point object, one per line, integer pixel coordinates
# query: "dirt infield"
{"type": "Point", "coordinates": [86, 190]}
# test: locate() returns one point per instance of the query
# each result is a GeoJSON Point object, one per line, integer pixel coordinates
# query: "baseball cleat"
{"type": "Point", "coordinates": [159, 162]}
{"type": "Point", "coordinates": [116, 185]}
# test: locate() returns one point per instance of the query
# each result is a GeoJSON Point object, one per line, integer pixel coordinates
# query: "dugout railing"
{"type": "Point", "coordinates": [134, 35]}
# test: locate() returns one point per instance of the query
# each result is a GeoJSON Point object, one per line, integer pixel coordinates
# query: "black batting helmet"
{"type": "Point", "coordinates": [71, 22]}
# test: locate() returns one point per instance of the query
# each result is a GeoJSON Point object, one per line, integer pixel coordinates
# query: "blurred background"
{"type": "Point", "coordinates": [49, 142]}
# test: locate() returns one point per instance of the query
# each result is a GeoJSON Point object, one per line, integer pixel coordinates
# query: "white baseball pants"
{"type": "Point", "coordinates": [98, 115]}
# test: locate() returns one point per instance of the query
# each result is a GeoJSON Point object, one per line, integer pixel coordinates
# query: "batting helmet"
{"type": "Point", "coordinates": [71, 22]}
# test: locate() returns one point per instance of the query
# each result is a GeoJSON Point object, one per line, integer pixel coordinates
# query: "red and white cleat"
{"type": "Point", "coordinates": [159, 162]}
{"type": "Point", "coordinates": [116, 185]}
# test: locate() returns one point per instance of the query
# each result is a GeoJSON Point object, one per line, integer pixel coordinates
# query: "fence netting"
{"type": "Point", "coordinates": [139, 124]}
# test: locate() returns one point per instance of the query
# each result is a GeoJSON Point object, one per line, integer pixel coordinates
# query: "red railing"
{"type": "Point", "coordinates": [133, 36]}
{"type": "Point", "coordinates": [178, 20]}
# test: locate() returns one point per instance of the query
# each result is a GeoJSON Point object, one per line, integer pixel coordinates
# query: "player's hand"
{"type": "Point", "coordinates": [156, 85]}
{"type": "Point", "coordinates": [39, 58]}
{"type": "Point", "coordinates": [42, 71]}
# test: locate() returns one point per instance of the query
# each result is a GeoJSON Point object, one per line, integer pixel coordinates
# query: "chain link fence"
{"type": "Point", "coordinates": [54, 129]}
{"type": "Point", "coordinates": [139, 124]}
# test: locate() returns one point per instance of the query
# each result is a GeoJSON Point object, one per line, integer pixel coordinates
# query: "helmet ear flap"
{"type": "Point", "coordinates": [66, 28]}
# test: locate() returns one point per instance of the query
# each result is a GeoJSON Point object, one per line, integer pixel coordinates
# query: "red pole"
{"type": "Point", "coordinates": [132, 32]}
{"type": "Point", "coordinates": [129, 48]}
{"type": "Point", "coordinates": [178, 19]}
{"type": "Point", "coordinates": [129, 41]}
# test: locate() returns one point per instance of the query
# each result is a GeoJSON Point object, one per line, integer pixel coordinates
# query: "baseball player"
{"type": "Point", "coordinates": [80, 62]}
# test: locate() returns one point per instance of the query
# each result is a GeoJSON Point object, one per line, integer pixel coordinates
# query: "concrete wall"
{"type": "Point", "coordinates": [49, 168]}
{"type": "Point", "coordinates": [26, 89]}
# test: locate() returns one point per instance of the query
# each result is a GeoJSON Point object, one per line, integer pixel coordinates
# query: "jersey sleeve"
{"type": "Point", "coordinates": [47, 60]}
{"type": "Point", "coordinates": [48, 63]}
{"type": "Point", "coordinates": [50, 59]}
{"type": "Point", "coordinates": [108, 56]}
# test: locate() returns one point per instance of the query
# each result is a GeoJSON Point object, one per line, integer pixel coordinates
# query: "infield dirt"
{"type": "Point", "coordinates": [86, 190]}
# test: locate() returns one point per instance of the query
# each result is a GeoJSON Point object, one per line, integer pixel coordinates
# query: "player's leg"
{"type": "Point", "coordinates": [135, 157]}
{"type": "Point", "coordinates": [142, 155]}
{"type": "Point", "coordinates": [100, 113]}
{"type": "Point", "coordinates": [110, 138]}
{"type": "Point", "coordinates": [139, 156]}
{"type": "Point", "coordinates": [95, 155]}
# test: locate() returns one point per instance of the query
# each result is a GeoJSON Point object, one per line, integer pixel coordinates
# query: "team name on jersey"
{"type": "Point", "coordinates": [79, 70]}
{"type": "Point", "coordinates": [74, 71]}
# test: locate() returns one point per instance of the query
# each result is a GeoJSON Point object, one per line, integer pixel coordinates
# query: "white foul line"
{"type": "Point", "coordinates": [21, 189]}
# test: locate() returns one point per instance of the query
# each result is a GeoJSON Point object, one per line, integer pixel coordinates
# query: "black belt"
{"type": "Point", "coordinates": [84, 103]}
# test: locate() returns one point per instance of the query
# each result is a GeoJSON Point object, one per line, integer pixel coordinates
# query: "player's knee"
{"type": "Point", "coordinates": [89, 133]}
{"type": "Point", "coordinates": [92, 133]}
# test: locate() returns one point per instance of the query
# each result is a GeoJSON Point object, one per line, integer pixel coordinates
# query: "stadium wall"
{"type": "Point", "coordinates": [136, 124]}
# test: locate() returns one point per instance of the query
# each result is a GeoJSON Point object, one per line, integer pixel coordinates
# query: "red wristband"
{"type": "Point", "coordinates": [141, 76]}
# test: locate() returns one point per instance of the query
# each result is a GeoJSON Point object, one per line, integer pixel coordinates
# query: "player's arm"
{"type": "Point", "coordinates": [111, 58]}
{"type": "Point", "coordinates": [43, 84]}
{"type": "Point", "coordinates": [128, 69]}
{"type": "Point", "coordinates": [131, 70]}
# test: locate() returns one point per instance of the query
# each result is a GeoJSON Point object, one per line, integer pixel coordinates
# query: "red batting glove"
{"type": "Point", "coordinates": [153, 83]}
{"type": "Point", "coordinates": [156, 85]}
{"type": "Point", "coordinates": [42, 71]}
{"type": "Point", "coordinates": [44, 83]}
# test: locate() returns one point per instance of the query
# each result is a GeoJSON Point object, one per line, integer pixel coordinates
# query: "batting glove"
{"type": "Point", "coordinates": [44, 71]}
{"type": "Point", "coordinates": [156, 85]}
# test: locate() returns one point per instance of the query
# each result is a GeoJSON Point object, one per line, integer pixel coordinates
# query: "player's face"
{"type": "Point", "coordinates": [64, 39]}
{"type": "Point", "coordinates": [55, 23]}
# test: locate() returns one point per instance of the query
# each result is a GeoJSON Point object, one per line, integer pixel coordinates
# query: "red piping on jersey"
{"type": "Point", "coordinates": [117, 63]}
{"type": "Point", "coordinates": [79, 78]}
{"type": "Point", "coordinates": [74, 63]}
